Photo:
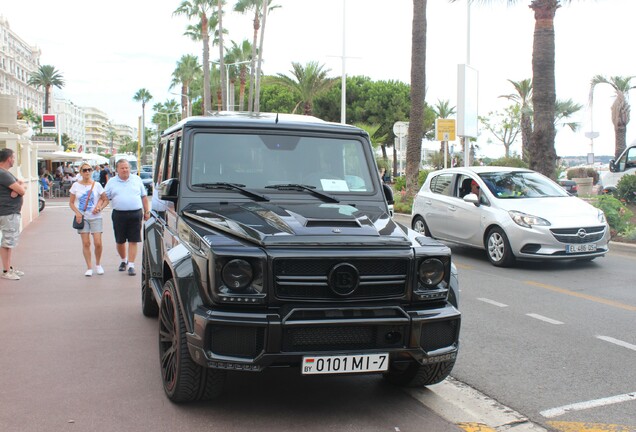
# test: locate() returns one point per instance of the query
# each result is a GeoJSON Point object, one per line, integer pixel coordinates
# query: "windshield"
{"type": "Point", "coordinates": [257, 161]}
{"type": "Point", "coordinates": [521, 184]}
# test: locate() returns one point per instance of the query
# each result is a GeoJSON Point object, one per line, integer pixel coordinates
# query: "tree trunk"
{"type": "Point", "coordinates": [207, 97]}
{"type": "Point", "coordinates": [543, 154]}
{"type": "Point", "coordinates": [418, 88]}
{"type": "Point", "coordinates": [222, 58]}
{"type": "Point", "coordinates": [257, 88]}
{"type": "Point", "coordinates": [257, 25]}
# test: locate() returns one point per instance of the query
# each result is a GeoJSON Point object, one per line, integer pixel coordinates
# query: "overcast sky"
{"type": "Point", "coordinates": [107, 53]}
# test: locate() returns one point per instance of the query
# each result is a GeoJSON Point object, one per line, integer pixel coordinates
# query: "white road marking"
{"type": "Point", "coordinates": [492, 302]}
{"type": "Point", "coordinates": [546, 319]}
{"type": "Point", "coordinates": [555, 412]}
{"type": "Point", "coordinates": [617, 342]}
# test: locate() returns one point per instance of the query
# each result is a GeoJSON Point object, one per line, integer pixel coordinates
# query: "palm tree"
{"type": "Point", "coordinates": [244, 6]}
{"type": "Point", "coordinates": [620, 108]}
{"type": "Point", "coordinates": [185, 73]}
{"type": "Point", "coordinates": [111, 135]}
{"type": "Point", "coordinates": [219, 14]}
{"type": "Point", "coordinates": [443, 110]}
{"type": "Point", "coordinates": [143, 96]}
{"type": "Point", "coordinates": [46, 77]}
{"type": "Point", "coordinates": [418, 94]}
{"type": "Point", "coordinates": [563, 110]}
{"type": "Point", "coordinates": [202, 10]}
{"type": "Point", "coordinates": [240, 54]}
{"type": "Point", "coordinates": [543, 154]}
{"type": "Point", "coordinates": [523, 97]}
{"type": "Point", "coordinates": [307, 83]}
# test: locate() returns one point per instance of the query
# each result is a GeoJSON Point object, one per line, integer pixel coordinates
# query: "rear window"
{"type": "Point", "coordinates": [441, 184]}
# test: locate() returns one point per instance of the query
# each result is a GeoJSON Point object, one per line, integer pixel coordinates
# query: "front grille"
{"type": "Point", "coordinates": [339, 338]}
{"type": "Point", "coordinates": [439, 334]}
{"type": "Point", "coordinates": [309, 278]}
{"type": "Point", "coordinates": [572, 235]}
{"type": "Point", "coordinates": [236, 341]}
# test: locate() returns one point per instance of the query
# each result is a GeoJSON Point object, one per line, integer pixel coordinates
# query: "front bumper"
{"type": "Point", "coordinates": [254, 341]}
{"type": "Point", "coordinates": [547, 243]}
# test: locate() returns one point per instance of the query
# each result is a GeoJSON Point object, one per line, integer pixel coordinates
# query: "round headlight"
{"type": "Point", "coordinates": [431, 272]}
{"type": "Point", "coordinates": [237, 274]}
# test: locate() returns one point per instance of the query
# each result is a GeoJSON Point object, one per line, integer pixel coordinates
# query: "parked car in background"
{"type": "Point", "coordinates": [626, 164]}
{"type": "Point", "coordinates": [514, 214]}
{"type": "Point", "coordinates": [570, 186]}
{"type": "Point", "coordinates": [146, 168]}
{"type": "Point", "coordinates": [146, 178]}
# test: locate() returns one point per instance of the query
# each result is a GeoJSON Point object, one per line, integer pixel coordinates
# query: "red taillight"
{"type": "Point", "coordinates": [575, 188]}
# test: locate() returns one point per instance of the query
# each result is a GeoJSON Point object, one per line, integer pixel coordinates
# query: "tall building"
{"type": "Point", "coordinates": [97, 126]}
{"type": "Point", "coordinates": [71, 121]}
{"type": "Point", "coordinates": [18, 61]}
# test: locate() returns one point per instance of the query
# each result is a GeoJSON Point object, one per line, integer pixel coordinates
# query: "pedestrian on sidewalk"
{"type": "Point", "coordinates": [11, 192]}
{"type": "Point", "coordinates": [87, 200]}
{"type": "Point", "coordinates": [130, 206]}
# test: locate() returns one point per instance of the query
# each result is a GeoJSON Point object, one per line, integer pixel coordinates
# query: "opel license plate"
{"type": "Point", "coordinates": [340, 364]}
{"type": "Point", "coordinates": [577, 248]}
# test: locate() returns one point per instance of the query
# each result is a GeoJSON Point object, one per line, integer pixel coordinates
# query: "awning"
{"type": "Point", "coordinates": [60, 156]}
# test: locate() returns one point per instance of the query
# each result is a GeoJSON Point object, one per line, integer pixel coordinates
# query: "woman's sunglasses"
{"type": "Point", "coordinates": [87, 169]}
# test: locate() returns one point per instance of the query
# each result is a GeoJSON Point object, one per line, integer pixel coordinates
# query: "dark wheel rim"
{"type": "Point", "coordinates": [145, 281]}
{"type": "Point", "coordinates": [168, 340]}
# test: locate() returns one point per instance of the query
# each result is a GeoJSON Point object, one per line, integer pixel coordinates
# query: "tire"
{"type": "Point", "coordinates": [149, 306]}
{"type": "Point", "coordinates": [420, 226]}
{"type": "Point", "coordinates": [498, 248]}
{"type": "Point", "coordinates": [41, 204]}
{"type": "Point", "coordinates": [417, 375]}
{"type": "Point", "coordinates": [183, 379]}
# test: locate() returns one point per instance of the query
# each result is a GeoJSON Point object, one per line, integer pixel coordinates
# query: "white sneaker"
{"type": "Point", "coordinates": [89, 273]}
{"type": "Point", "coordinates": [16, 271]}
{"type": "Point", "coordinates": [10, 275]}
{"type": "Point", "coordinates": [99, 270]}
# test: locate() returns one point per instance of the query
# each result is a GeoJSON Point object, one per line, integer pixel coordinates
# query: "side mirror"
{"type": "Point", "coordinates": [388, 193]}
{"type": "Point", "coordinates": [612, 165]}
{"type": "Point", "coordinates": [169, 190]}
{"type": "Point", "coordinates": [472, 198]}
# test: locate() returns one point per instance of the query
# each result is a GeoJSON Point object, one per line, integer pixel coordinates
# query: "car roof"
{"type": "Point", "coordinates": [480, 170]}
{"type": "Point", "coordinates": [264, 120]}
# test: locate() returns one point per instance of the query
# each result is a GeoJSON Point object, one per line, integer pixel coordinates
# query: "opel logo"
{"type": "Point", "coordinates": [582, 233]}
{"type": "Point", "coordinates": [344, 279]}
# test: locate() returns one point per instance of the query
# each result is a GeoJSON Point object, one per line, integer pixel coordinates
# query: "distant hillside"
{"type": "Point", "coordinates": [582, 160]}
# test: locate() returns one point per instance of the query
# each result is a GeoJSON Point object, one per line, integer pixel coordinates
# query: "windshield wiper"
{"type": "Point", "coordinates": [232, 186]}
{"type": "Point", "coordinates": [302, 187]}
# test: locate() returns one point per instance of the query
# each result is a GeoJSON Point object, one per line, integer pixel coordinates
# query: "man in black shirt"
{"type": "Point", "coordinates": [104, 175]}
{"type": "Point", "coordinates": [11, 192]}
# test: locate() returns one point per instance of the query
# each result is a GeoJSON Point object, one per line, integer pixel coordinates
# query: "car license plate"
{"type": "Point", "coordinates": [345, 364]}
{"type": "Point", "coordinates": [576, 248]}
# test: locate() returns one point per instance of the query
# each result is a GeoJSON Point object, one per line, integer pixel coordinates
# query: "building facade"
{"type": "Point", "coordinates": [18, 61]}
{"type": "Point", "coordinates": [71, 121]}
{"type": "Point", "coordinates": [97, 126]}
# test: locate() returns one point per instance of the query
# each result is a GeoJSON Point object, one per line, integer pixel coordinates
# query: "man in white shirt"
{"type": "Point", "coordinates": [129, 199]}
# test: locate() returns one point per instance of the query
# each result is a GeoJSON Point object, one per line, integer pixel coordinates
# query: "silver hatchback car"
{"type": "Point", "coordinates": [512, 213]}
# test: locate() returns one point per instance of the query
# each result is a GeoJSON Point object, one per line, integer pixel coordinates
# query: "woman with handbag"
{"type": "Point", "coordinates": [87, 202]}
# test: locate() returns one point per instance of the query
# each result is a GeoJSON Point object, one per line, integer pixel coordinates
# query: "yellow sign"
{"type": "Point", "coordinates": [445, 129]}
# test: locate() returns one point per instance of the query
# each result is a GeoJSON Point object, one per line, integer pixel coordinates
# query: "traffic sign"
{"type": "Point", "coordinates": [445, 129]}
{"type": "Point", "coordinates": [401, 129]}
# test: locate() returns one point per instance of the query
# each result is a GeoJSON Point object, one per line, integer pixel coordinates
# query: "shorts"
{"type": "Point", "coordinates": [92, 226]}
{"type": "Point", "coordinates": [127, 225]}
{"type": "Point", "coordinates": [10, 228]}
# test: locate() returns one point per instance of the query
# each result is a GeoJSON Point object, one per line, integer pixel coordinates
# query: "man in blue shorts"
{"type": "Point", "coordinates": [11, 192]}
{"type": "Point", "coordinates": [129, 199]}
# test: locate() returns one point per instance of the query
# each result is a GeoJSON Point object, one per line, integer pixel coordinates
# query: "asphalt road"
{"type": "Point", "coordinates": [555, 341]}
{"type": "Point", "coordinates": [77, 355]}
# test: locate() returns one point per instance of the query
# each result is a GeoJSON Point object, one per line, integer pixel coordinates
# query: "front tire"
{"type": "Point", "coordinates": [183, 379]}
{"type": "Point", "coordinates": [417, 375]}
{"type": "Point", "coordinates": [420, 226]}
{"type": "Point", "coordinates": [149, 306]}
{"type": "Point", "coordinates": [498, 248]}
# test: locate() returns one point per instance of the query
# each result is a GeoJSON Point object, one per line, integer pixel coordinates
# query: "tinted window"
{"type": "Point", "coordinates": [441, 184]}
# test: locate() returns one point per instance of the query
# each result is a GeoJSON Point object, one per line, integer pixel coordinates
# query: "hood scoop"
{"type": "Point", "coordinates": [336, 223]}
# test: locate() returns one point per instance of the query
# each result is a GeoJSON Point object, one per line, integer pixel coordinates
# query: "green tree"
{"type": "Point", "coordinates": [563, 110]}
{"type": "Point", "coordinates": [418, 94]}
{"type": "Point", "coordinates": [306, 83]}
{"type": "Point", "coordinates": [143, 96]}
{"type": "Point", "coordinates": [504, 125]}
{"type": "Point", "coordinates": [523, 97]}
{"type": "Point", "coordinates": [188, 68]}
{"type": "Point", "coordinates": [443, 110]}
{"type": "Point", "coordinates": [219, 14]}
{"type": "Point", "coordinates": [260, 9]}
{"type": "Point", "coordinates": [111, 136]}
{"type": "Point", "coordinates": [202, 10]}
{"type": "Point", "coordinates": [620, 108]}
{"type": "Point", "coordinates": [46, 77]}
{"type": "Point", "coordinates": [165, 114]}
{"type": "Point", "coordinates": [239, 54]}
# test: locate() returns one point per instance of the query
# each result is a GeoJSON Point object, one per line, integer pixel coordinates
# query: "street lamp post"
{"type": "Point", "coordinates": [227, 79]}
{"type": "Point", "coordinates": [189, 110]}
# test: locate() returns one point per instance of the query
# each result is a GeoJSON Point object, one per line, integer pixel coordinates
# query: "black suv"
{"type": "Point", "coordinates": [274, 247]}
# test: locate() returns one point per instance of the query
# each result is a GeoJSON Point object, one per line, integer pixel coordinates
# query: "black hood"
{"type": "Point", "coordinates": [309, 223]}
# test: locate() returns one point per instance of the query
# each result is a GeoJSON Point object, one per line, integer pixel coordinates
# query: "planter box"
{"type": "Point", "coordinates": [584, 184]}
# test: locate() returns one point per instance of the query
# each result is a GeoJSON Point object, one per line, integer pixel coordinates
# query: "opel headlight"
{"type": "Point", "coordinates": [601, 216]}
{"type": "Point", "coordinates": [526, 220]}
